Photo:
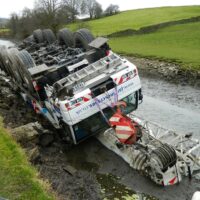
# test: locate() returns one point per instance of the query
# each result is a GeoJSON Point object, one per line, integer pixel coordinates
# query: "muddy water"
{"type": "Point", "coordinates": [173, 106]}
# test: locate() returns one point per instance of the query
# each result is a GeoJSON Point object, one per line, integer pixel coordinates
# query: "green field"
{"type": "Point", "coordinates": [18, 180]}
{"type": "Point", "coordinates": [135, 19]}
{"type": "Point", "coordinates": [180, 43]}
{"type": "Point", "coordinates": [2, 30]}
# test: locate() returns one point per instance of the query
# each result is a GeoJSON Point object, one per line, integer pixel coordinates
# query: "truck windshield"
{"type": "Point", "coordinates": [97, 123]}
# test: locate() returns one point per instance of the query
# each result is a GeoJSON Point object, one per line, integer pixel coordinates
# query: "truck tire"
{"type": "Point", "coordinates": [82, 38]}
{"type": "Point", "coordinates": [2, 64]}
{"type": "Point", "coordinates": [12, 59]}
{"type": "Point", "coordinates": [65, 37]}
{"type": "Point", "coordinates": [25, 74]}
{"type": "Point", "coordinates": [27, 59]}
{"type": "Point", "coordinates": [49, 36]}
{"type": "Point", "coordinates": [8, 66]}
{"type": "Point", "coordinates": [3, 59]}
{"type": "Point", "coordinates": [38, 36]}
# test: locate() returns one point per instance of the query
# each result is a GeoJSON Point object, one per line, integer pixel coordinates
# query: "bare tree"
{"type": "Point", "coordinates": [13, 23]}
{"type": "Point", "coordinates": [46, 12]}
{"type": "Point", "coordinates": [74, 7]}
{"type": "Point", "coordinates": [48, 6]}
{"type": "Point", "coordinates": [26, 22]}
{"type": "Point", "coordinates": [98, 10]}
{"type": "Point", "coordinates": [112, 9]}
{"type": "Point", "coordinates": [88, 7]}
{"type": "Point", "coordinates": [92, 8]}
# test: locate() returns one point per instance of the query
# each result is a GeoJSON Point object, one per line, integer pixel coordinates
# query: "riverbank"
{"type": "Point", "coordinates": [19, 180]}
{"type": "Point", "coordinates": [169, 71]}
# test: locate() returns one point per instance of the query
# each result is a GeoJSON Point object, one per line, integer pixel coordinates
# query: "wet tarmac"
{"type": "Point", "coordinates": [172, 106]}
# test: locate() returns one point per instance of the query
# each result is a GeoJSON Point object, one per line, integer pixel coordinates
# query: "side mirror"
{"type": "Point", "coordinates": [140, 98]}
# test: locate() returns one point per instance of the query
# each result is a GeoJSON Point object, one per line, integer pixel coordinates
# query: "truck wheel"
{"type": "Point", "coordinates": [2, 64]}
{"type": "Point", "coordinates": [65, 37]}
{"type": "Point", "coordinates": [27, 59]}
{"type": "Point", "coordinates": [25, 74]}
{"type": "Point", "coordinates": [82, 38]}
{"type": "Point", "coordinates": [38, 36]}
{"type": "Point", "coordinates": [3, 58]}
{"type": "Point", "coordinates": [7, 63]}
{"type": "Point", "coordinates": [12, 59]}
{"type": "Point", "coordinates": [49, 36]}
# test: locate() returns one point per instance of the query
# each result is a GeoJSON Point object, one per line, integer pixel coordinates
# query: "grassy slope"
{"type": "Point", "coordinates": [135, 19]}
{"type": "Point", "coordinates": [180, 42]}
{"type": "Point", "coordinates": [18, 179]}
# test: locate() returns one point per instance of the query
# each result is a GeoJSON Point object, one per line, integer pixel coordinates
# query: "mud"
{"type": "Point", "coordinates": [89, 170]}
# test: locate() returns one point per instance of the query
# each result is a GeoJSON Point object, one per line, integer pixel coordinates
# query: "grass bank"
{"type": "Point", "coordinates": [180, 43]}
{"type": "Point", "coordinates": [18, 180]}
{"type": "Point", "coordinates": [135, 19]}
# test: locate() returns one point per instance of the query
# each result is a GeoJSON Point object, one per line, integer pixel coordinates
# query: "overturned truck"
{"type": "Point", "coordinates": [85, 89]}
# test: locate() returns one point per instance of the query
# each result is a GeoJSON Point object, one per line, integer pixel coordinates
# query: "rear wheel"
{"type": "Point", "coordinates": [23, 61]}
{"type": "Point", "coordinates": [82, 38]}
{"type": "Point", "coordinates": [65, 37]}
{"type": "Point", "coordinates": [2, 64]}
{"type": "Point", "coordinates": [27, 59]}
{"type": "Point", "coordinates": [38, 36]}
{"type": "Point", "coordinates": [8, 63]}
{"type": "Point", "coordinates": [12, 59]}
{"type": "Point", "coordinates": [49, 36]}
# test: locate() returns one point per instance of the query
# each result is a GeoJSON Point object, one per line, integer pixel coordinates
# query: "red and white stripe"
{"type": "Point", "coordinates": [123, 133]}
{"type": "Point", "coordinates": [113, 120]}
{"type": "Point", "coordinates": [85, 99]}
{"type": "Point", "coordinates": [124, 128]}
{"type": "Point", "coordinates": [35, 85]}
{"type": "Point", "coordinates": [125, 77]}
{"type": "Point", "coordinates": [35, 106]}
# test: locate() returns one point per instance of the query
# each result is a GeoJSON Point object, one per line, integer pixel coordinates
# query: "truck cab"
{"type": "Point", "coordinates": [86, 99]}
